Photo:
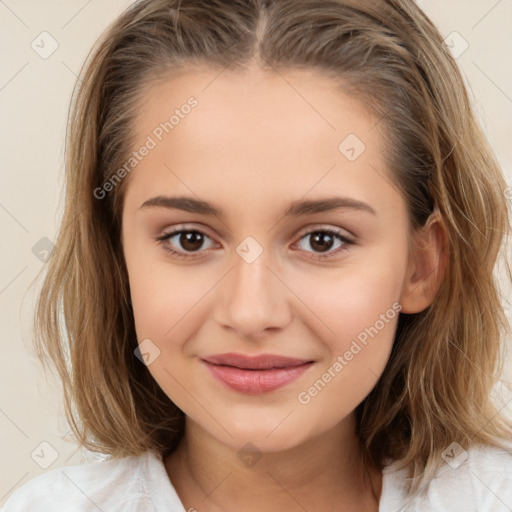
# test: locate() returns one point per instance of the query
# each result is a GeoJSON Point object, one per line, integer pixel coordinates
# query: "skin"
{"type": "Point", "coordinates": [255, 143]}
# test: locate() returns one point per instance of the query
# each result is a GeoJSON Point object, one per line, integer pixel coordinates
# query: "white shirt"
{"type": "Point", "coordinates": [482, 483]}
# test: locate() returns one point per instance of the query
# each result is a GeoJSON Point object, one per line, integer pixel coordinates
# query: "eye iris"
{"type": "Point", "coordinates": [191, 240]}
{"type": "Point", "coordinates": [321, 241]}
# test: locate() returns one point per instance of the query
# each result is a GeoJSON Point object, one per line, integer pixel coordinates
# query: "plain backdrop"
{"type": "Point", "coordinates": [35, 89]}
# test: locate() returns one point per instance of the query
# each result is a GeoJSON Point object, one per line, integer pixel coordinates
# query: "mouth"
{"type": "Point", "coordinates": [255, 374]}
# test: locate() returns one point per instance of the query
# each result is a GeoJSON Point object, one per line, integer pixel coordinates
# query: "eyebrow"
{"type": "Point", "coordinates": [295, 209]}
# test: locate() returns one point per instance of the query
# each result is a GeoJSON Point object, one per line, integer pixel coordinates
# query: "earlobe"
{"type": "Point", "coordinates": [426, 267]}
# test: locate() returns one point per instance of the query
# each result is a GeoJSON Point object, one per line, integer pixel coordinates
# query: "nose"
{"type": "Point", "coordinates": [252, 299]}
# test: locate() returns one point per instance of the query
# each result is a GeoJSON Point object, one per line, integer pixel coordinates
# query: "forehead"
{"type": "Point", "coordinates": [258, 132]}
{"type": "Point", "coordinates": [295, 105]}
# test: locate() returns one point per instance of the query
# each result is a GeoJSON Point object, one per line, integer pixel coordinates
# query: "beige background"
{"type": "Point", "coordinates": [34, 96]}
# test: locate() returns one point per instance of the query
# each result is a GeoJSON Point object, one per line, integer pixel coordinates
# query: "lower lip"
{"type": "Point", "coordinates": [256, 382]}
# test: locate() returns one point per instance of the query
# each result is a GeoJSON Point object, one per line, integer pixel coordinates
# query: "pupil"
{"type": "Point", "coordinates": [319, 239]}
{"type": "Point", "coordinates": [191, 240]}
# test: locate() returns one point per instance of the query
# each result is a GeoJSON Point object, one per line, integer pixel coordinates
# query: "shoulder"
{"type": "Point", "coordinates": [477, 479]}
{"type": "Point", "coordinates": [115, 484]}
{"type": "Point", "coordinates": [481, 477]}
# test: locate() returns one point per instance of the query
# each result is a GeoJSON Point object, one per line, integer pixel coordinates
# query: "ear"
{"type": "Point", "coordinates": [428, 259]}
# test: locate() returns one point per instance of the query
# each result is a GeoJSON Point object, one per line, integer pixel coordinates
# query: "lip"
{"type": "Point", "coordinates": [255, 374]}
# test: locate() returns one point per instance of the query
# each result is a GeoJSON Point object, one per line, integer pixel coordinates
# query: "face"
{"type": "Point", "coordinates": [268, 316]}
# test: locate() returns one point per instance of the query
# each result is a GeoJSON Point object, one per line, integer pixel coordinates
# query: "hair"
{"type": "Point", "coordinates": [446, 360]}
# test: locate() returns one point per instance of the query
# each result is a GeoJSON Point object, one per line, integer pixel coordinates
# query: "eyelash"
{"type": "Point", "coordinates": [319, 256]}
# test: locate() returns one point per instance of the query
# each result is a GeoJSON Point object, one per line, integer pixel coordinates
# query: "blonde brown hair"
{"type": "Point", "coordinates": [436, 388]}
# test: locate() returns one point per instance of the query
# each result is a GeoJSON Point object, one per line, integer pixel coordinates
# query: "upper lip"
{"type": "Point", "coordinates": [259, 362]}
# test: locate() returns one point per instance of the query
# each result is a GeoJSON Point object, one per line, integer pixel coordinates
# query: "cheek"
{"type": "Point", "coordinates": [366, 311]}
{"type": "Point", "coordinates": [352, 301]}
{"type": "Point", "coordinates": [361, 308]}
{"type": "Point", "coordinates": [340, 304]}
{"type": "Point", "coordinates": [167, 299]}
{"type": "Point", "coordinates": [363, 322]}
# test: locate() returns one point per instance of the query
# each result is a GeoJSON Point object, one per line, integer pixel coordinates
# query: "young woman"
{"type": "Point", "coordinates": [273, 287]}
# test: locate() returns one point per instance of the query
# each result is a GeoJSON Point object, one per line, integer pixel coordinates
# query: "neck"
{"type": "Point", "coordinates": [324, 473]}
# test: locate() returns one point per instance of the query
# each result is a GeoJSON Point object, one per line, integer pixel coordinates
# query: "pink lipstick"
{"type": "Point", "coordinates": [255, 374]}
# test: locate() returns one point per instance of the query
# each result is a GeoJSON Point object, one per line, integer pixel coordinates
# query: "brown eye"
{"type": "Point", "coordinates": [184, 243]}
{"type": "Point", "coordinates": [191, 240]}
{"type": "Point", "coordinates": [323, 241]}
